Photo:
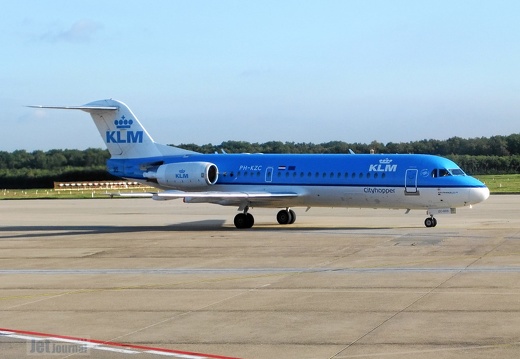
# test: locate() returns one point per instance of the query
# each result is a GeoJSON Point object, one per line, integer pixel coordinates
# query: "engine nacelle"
{"type": "Point", "coordinates": [185, 175]}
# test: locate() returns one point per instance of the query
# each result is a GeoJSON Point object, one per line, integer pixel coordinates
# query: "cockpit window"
{"type": "Point", "coordinates": [444, 172]}
{"type": "Point", "coordinates": [457, 172]}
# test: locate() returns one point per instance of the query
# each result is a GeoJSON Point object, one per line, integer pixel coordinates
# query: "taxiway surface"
{"type": "Point", "coordinates": [339, 283]}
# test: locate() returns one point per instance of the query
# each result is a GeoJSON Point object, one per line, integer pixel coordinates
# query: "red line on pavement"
{"type": "Point", "coordinates": [115, 344]}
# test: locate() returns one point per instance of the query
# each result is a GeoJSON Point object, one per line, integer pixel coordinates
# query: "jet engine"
{"type": "Point", "coordinates": [185, 175]}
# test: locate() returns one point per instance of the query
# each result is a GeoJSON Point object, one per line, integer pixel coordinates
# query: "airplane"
{"type": "Point", "coordinates": [283, 181]}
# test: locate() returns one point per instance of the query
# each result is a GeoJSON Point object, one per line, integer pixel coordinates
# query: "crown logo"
{"type": "Point", "coordinates": [182, 171]}
{"type": "Point", "coordinates": [385, 161]}
{"type": "Point", "coordinates": [123, 122]}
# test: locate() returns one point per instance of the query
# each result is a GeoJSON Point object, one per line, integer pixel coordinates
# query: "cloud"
{"type": "Point", "coordinates": [81, 31]}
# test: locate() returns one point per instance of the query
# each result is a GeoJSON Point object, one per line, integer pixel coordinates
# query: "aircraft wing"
{"type": "Point", "coordinates": [212, 196]}
{"type": "Point", "coordinates": [217, 194]}
{"type": "Point", "coordinates": [241, 199]}
{"type": "Point", "coordinates": [133, 195]}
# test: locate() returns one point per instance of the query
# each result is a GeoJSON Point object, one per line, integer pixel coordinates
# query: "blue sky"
{"type": "Point", "coordinates": [304, 71]}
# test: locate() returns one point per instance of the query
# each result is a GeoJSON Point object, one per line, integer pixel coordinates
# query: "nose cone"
{"type": "Point", "coordinates": [477, 195]}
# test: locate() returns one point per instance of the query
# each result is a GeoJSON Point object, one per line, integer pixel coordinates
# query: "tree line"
{"type": "Point", "coordinates": [492, 146]}
{"type": "Point", "coordinates": [39, 169]}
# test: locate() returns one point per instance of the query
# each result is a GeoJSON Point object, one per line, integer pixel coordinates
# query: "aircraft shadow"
{"type": "Point", "coordinates": [196, 226]}
{"type": "Point", "coordinates": [46, 231]}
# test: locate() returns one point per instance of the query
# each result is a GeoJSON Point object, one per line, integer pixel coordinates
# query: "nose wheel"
{"type": "Point", "coordinates": [430, 222]}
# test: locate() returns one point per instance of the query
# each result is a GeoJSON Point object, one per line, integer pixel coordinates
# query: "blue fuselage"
{"type": "Point", "coordinates": [394, 181]}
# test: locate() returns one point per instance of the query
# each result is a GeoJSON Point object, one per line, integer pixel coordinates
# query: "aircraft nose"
{"type": "Point", "coordinates": [478, 195]}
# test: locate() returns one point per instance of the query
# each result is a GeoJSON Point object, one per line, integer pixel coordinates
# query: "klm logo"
{"type": "Point", "coordinates": [181, 175]}
{"type": "Point", "coordinates": [126, 135]}
{"type": "Point", "coordinates": [383, 166]}
{"type": "Point", "coordinates": [123, 122]}
{"type": "Point", "coordinates": [121, 137]}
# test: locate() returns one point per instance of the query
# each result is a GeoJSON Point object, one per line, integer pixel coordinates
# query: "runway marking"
{"type": "Point", "coordinates": [106, 345]}
{"type": "Point", "coordinates": [424, 351]}
{"type": "Point", "coordinates": [156, 286]}
{"type": "Point", "coordinates": [247, 273]}
{"type": "Point", "coordinates": [176, 271]}
{"type": "Point", "coordinates": [469, 266]}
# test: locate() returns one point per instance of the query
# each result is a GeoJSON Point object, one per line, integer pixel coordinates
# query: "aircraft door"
{"type": "Point", "coordinates": [410, 181]}
{"type": "Point", "coordinates": [269, 174]}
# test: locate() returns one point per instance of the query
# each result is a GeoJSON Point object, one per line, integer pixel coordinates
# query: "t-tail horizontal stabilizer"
{"type": "Point", "coordinates": [122, 132]}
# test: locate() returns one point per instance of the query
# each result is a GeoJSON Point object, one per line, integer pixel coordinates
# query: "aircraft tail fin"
{"type": "Point", "coordinates": [124, 135]}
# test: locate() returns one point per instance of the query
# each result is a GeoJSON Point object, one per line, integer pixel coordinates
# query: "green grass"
{"type": "Point", "coordinates": [63, 194]}
{"type": "Point", "coordinates": [502, 183]}
{"type": "Point", "coordinates": [496, 183]}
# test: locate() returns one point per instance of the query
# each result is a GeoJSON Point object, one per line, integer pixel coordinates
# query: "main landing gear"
{"type": "Point", "coordinates": [246, 220]}
{"type": "Point", "coordinates": [286, 216]}
{"type": "Point", "coordinates": [430, 222]}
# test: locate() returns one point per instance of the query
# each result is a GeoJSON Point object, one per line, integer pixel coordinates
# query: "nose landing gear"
{"type": "Point", "coordinates": [430, 222]}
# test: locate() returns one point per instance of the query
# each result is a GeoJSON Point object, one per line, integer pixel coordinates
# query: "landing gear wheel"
{"type": "Point", "coordinates": [244, 220]}
{"type": "Point", "coordinates": [286, 216]}
{"type": "Point", "coordinates": [430, 222]}
{"type": "Point", "coordinates": [240, 220]}
{"type": "Point", "coordinates": [250, 220]}
{"type": "Point", "coordinates": [293, 216]}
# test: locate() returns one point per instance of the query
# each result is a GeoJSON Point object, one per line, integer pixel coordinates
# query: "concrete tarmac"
{"type": "Point", "coordinates": [339, 283]}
